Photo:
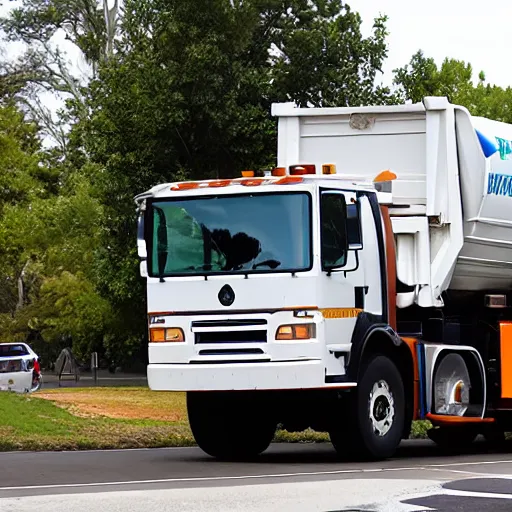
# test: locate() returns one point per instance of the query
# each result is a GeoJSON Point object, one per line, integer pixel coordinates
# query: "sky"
{"type": "Point", "coordinates": [478, 31]}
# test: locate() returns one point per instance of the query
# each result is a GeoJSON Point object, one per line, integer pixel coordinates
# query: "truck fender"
{"type": "Point", "coordinates": [367, 327]}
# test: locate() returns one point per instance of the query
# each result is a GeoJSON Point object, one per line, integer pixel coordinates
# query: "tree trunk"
{"type": "Point", "coordinates": [21, 287]}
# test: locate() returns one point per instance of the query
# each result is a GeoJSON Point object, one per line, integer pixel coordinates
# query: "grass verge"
{"type": "Point", "coordinates": [32, 423]}
{"type": "Point", "coordinates": [103, 418]}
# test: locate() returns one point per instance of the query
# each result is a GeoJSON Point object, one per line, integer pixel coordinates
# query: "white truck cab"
{"type": "Point", "coordinates": [337, 290]}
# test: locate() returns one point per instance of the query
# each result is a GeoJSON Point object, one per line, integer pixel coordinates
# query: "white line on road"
{"type": "Point", "coordinates": [256, 477]}
{"type": "Point", "coordinates": [475, 494]}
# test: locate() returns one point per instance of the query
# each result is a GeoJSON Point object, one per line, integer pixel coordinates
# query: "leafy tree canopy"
{"type": "Point", "coordinates": [455, 80]}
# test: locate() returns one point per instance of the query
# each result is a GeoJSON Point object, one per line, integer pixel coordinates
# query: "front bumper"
{"type": "Point", "coordinates": [308, 374]}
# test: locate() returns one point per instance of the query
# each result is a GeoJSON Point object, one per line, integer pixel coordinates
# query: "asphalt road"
{"type": "Point", "coordinates": [286, 478]}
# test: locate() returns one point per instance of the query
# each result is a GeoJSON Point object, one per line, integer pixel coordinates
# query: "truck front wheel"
{"type": "Point", "coordinates": [371, 424]}
{"type": "Point", "coordinates": [232, 425]}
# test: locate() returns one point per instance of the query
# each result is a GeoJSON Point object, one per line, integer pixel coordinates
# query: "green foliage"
{"type": "Point", "coordinates": [49, 227]}
{"type": "Point", "coordinates": [323, 59]}
{"type": "Point", "coordinates": [188, 96]}
{"type": "Point", "coordinates": [421, 77]}
{"type": "Point", "coordinates": [181, 89]}
{"type": "Point", "coordinates": [455, 80]}
{"type": "Point", "coordinates": [69, 305]}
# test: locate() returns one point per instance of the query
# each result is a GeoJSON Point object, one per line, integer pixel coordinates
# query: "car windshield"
{"type": "Point", "coordinates": [12, 350]}
{"type": "Point", "coordinates": [221, 234]}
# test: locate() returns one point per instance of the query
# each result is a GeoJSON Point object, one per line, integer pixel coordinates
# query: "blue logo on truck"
{"type": "Point", "coordinates": [505, 148]}
{"type": "Point", "coordinates": [489, 146]}
{"type": "Point", "coordinates": [499, 184]}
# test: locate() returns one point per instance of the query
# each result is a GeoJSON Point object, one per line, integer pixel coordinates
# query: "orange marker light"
{"type": "Point", "coordinates": [328, 169]}
{"type": "Point", "coordinates": [187, 185]}
{"type": "Point", "coordinates": [295, 332]}
{"type": "Point", "coordinates": [156, 335]}
{"type": "Point", "coordinates": [169, 335]}
{"type": "Point", "coordinates": [289, 180]}
{"type": "Point", "coordinates": [251, 183]}
{"type": "Point", "coordinates": [248, 174]}
{"type": "Point", "coordinates": [279, 171]}
{"type": "Point", "coordinates": [297, 170]}
{"type": "Point", "coordinates": [219, 183]}
{"type": "Point", "coordinates": [385, 176]}
{"type": "Point", "coordinates": [458, 392]}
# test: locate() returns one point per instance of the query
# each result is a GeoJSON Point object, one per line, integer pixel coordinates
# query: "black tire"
{"type": "Point", "coordinates": [453, 439]}
{"type": "Point", "coordinates": [372, 434]}
{"type": "Point", "coordinates": [233, 426]}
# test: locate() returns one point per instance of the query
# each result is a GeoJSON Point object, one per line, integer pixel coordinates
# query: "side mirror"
{"type": "Point", "coordinates": [333, 220]}
{"type": "Point", "coordinates": [141, 242]}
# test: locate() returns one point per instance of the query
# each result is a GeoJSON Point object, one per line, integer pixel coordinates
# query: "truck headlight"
{"type": "Point", "coordinates": [296, 332]}
{"type": "Point", "coordinates": [163, 335]}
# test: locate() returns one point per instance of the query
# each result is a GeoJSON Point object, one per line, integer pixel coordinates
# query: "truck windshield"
{"type": "Point", "coordinates": [229, 234]}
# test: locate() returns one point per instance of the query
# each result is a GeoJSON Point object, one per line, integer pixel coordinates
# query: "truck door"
{"type": "Point", "coordinates": [352, 279]}
{"type": "Point", "coordinates": [350, 282]}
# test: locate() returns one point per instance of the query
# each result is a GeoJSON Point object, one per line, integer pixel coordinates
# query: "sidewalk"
{"type": "Point", "coordinates": [105, 378]}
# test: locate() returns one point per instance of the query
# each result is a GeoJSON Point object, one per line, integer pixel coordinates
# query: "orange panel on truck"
{"type": "Point", "coordinates": [506, 359]}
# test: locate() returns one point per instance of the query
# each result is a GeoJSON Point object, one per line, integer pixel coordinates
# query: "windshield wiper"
{"type": "Point", "coordinates": [273, 264]}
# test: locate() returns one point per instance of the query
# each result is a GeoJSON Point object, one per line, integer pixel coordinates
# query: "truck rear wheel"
{"type": "Point", "coordinates": [374, 420]}
{"type": "Point", "coordinates": [231, 425]}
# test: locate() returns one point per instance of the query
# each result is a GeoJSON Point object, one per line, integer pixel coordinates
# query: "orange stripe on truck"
{"type": "Point", "coordinates": [411, 344]}
{"type": "Point", "coordinates": [506, 359]}
{"type": "Point", "coordinates": [440, 420]}
{"type": "Point", "coordinates": [389, 240]}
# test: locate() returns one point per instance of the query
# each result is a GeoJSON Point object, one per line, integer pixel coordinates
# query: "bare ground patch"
{"type": "Point", "coordinates": [119, 403]}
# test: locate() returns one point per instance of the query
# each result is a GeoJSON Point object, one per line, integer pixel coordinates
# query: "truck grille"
{"type": "Point", "coordinates": [228, 323]}
{"type": "Point", "coordinates": [232, 352]}
{"type": "Point", "coordinates": [237, 331]}
{"type": "Point", "coordinates": [231, 337]}
{"type": "Point", "coordinates": [231, 355]}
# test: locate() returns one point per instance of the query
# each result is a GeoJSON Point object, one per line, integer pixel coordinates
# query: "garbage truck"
{"type": "Point", "coordinates": [361, 284]}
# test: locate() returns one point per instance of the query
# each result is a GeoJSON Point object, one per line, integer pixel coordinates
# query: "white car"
{"type": "Point", "coordinates": [19, 368]}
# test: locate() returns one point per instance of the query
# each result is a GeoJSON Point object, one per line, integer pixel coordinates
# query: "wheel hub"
{"type": "Point", "coordinates": [382, 408]}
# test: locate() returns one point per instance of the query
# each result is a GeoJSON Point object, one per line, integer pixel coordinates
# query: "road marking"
{"type": "Point", "coordinates": [256, 477]}
{"type": "Point", "coordinates": [475, 494]}
{"type": "Point", "coordinates": [475, 473]}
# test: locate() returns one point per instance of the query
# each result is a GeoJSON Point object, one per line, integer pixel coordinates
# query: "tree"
{"type": "Point", "coordinates": [49, 232]}
{"type": "Point", "coordinates": [89, 26]}
{"type": "Point", "coordinates": [455, 80]}
{"type": "Point", "coordinates": [323, 59]}
{"type": "Point", "coordinates": [47, 249]}
{"type": "Point", "coordinates": [187, 95]}
{"type": "Point", "coordinates": [421, 77]}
